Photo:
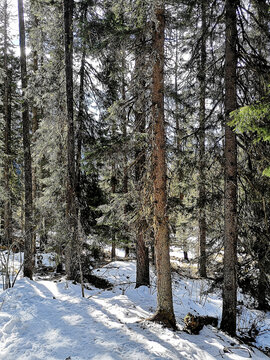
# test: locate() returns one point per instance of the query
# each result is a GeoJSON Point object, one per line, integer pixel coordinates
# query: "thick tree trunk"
{"type": "Point", "coordinates": [72, 261]}
{"type": "Point", "coordinates": [228, 322]}
{"type": "Point", "coordinates": [28, 242]}
{"type": "Point", "coordinates": [7, 141]}
{"type": "Point", "coordinates": [202, 193]}
{"type": "Point", "coordinates": [164, 312]}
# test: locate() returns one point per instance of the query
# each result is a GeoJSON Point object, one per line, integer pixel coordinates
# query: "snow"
{"type": "Point", "coordinates": [50, 320]}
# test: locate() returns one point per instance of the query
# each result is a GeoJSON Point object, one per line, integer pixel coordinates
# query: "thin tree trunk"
{"type": "Point", "coordinates": [142, 254]}
{"type": "Point", "coordinates": [263, 282]}
{"type": "Point", "coordinates": [113, 189]}
{"type": "Point", "coordinates": [72, 263]}
{"type": "Point", "coordinates": [28, 242]}
{"type": "Point", "coordinates": [124, 131]}
{"type": "Point", "coordinates": [263, 262]}
{"type": "Point", "coordinates": [81, 111]}
{"type": "Point", "coordinates": [80, 125]}
{"type": "Point", "coordinates": [164, 312]}
{"type": "Point", "coordinates": [113, 250]}
{"type": "Point", "coordinates": [7, 118]}
{"type": "Point", "coordinates": [228, 322]}
{"type": "Point", "coordinates": [177, 139]}
{"type": "Point", "coordinates": [153, 257]}
{"type": "Point", "coordinates": [34, 130]}
{"type": "Point", "coordinates": [202, 194]}
{"type": "Point", "coordinates": [186, 256]}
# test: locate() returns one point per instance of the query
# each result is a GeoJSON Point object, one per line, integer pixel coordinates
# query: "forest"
{"type": "Point", "coordinates": [135, 172]}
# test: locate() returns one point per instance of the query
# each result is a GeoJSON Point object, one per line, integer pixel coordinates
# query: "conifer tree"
{"type": "Point", "coordinates": [228, 322]}
{"type": "Point", "coordinates": [7, 136]}
{"type": "Point", "coordinates": [28, 216]}
{"type": "Point", "coordinates": [72, 254]}
{"type": "Point", "coordinates": [202, 116]}
{"type": "Point", "coordinates": [164, 312]}
{"type": "Point", "coordinates": [142, 256]}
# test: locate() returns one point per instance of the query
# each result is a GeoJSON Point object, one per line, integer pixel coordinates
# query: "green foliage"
{"type": "Point", "coordinates": [253, 119]}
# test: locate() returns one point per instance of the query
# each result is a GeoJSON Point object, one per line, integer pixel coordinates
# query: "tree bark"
{"type": "Point", "coordinates": [142, 254]}
{"type": "Point", "coordinates": [72, 261]}
{"type": "Point", "coordinates": [28, 242]}
{"type": "Point", "coordinates": [164, 312]}
{"type": "Point", "coordinates": [228, 322]}
{"type": "Point", "coordinates": [34, 130]}
{"type": "Point", "coordinates": [7, 136]}
{"type": "Point", "coordinates": [81, 109]}
{"type": "Point", "coordinates": [124, 132]}
{"type": "Point", "coordinates": [202, 193]}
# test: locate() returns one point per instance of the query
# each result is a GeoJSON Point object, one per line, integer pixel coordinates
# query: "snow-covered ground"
{"type": "Point", "coordinates": [49, 320]}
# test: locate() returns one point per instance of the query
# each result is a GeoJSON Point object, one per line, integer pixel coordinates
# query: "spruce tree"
{"type": "Point", "coordinates": [7, 136]}
{"type": "Point", "coordinates": [28, 205]}
{"type": "Point", "coordinates": [72, 252]}
{"type": "Point", "coordinates": [228, 322]}
{"type": "Point", "coordinates": [164, 312]}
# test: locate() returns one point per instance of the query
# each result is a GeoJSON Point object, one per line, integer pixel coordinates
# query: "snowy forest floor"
{"type": "Point", "coordinates": [49, 320]}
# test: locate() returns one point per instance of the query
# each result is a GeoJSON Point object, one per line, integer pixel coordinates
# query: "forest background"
{"type": "Point", "coordinates": [99, 91]}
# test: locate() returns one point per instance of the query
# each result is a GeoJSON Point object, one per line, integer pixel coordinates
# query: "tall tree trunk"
{"type": "Point", "coordinates": [142, 254]}
{"type": "Point", "coordinates": [124, 131]}
{"type": "Point", "coordinates": [164, 312]}
{"type": "Point", "coordinates": [72, 261]}
{"type": "Point", "coordinates": [228, 322]}
{"type": "Point", "coordinates": [35, 120]}
{"type": "Point", "coordinates": [28, 243]}
{"type": "Point", "coordinates": [7, 135]}
{"type": "Point", "coordinates": [202, 194]}
{"type": "Point", "coordinates": [34, 130]}
{"type": "Point", "coordinates": [81, 109]}
{"type": "Point", "coordinates": [178, 133]}
{"type": "Point", "coordinates": [80, 126]}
